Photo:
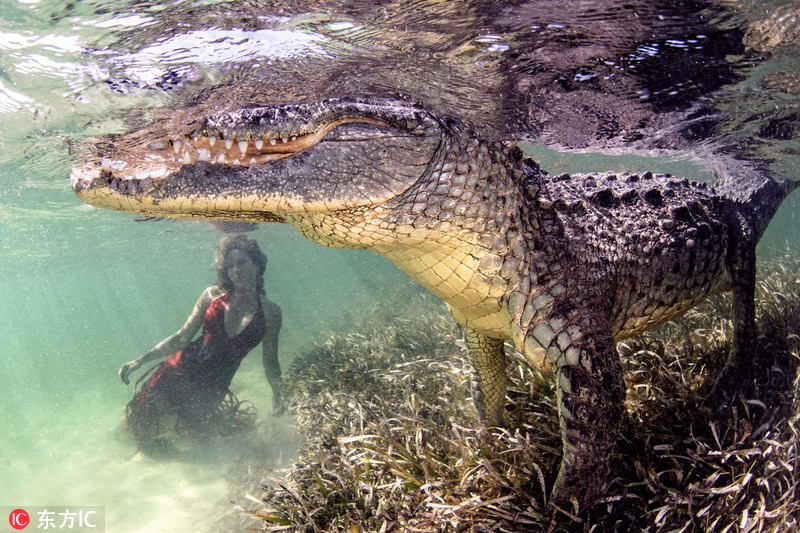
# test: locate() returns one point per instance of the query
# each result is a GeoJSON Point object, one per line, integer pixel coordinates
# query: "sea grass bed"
{"type": "Point", "coordinates": [392, 442]}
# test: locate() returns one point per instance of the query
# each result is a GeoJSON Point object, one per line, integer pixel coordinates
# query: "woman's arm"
{"type": "Point", "coordinates": [272, 367]}
{"type": "Point", "coordinates": [176, 341]}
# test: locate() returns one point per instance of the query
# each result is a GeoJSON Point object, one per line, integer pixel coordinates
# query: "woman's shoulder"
{"type": "Point", "coordinates": [212, 293]}
{"type": "Point", "coordinates": [270, 307]}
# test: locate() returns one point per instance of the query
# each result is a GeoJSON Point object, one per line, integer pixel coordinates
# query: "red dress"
{"type": "Point", "coordinates": [193, 382]}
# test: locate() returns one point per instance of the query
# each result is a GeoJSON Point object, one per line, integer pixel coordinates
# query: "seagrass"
{"type": "Point", "coordinates": [392, 442]}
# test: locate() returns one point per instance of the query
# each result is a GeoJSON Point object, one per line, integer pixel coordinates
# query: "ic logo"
{"type": "Point", "coordinates": [18, 519]}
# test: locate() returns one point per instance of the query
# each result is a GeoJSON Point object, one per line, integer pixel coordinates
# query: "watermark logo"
{"type": "Point", "coordinates": [73, 519]}
{"type": "Point", "coordinates": [19, 519]}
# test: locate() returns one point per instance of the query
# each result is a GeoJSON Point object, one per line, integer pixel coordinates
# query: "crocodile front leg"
{"type": "Point", "coordinates": [489, 386]}
{"type": "Point", "coordinates": [590, 393]}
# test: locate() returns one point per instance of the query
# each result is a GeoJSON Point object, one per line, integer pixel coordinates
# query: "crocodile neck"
{"type": "Point", "coordinates": [457, 234]}
{"type": "Point", "coordinates": [455, 270]}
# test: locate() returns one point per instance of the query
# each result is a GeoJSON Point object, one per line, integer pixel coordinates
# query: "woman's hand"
{"type": "Point", "coordinates": [127, 368]}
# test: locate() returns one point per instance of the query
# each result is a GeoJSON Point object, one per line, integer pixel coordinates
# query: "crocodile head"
{"type": "Point", "coordinates": [264, 164]}
{"type": "Point", "coordinates": [380, 175]}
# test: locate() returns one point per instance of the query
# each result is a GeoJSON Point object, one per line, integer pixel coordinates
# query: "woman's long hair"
{"type": "Point", "coordinates": [249, 246]}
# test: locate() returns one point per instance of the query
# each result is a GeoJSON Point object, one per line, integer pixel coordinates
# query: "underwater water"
{"type": "Point", "coordinates": [84, 290]}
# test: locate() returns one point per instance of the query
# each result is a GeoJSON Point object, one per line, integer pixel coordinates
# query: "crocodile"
{"type": "Point", "coordinates": [562, 266]}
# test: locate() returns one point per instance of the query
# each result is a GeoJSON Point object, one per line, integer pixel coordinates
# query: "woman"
{"type": "Point", "coordinates": [191, 385]}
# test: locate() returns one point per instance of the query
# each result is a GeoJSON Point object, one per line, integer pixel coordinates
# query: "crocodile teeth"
{"type": "Point", "coordinates": [193, 146]}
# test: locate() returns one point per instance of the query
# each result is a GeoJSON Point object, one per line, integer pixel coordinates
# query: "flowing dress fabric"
{"type": "Point", "coordinates": [193, 382]}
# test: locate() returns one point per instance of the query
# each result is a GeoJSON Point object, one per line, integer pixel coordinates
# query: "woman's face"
{"type": "Point", "coordinates": [241, 269]}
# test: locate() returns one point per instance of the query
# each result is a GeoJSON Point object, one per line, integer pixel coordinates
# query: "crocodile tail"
{"type": "Point", "coordinates": [755, 195]}
{"type": "Point", "coordinates": [765, 200]}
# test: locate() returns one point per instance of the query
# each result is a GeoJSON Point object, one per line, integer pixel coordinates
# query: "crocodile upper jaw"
{"type": "Point", "coordinates": [259, 164]}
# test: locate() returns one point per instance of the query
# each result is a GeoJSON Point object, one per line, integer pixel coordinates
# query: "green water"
{"type": "Point", "coordinates": [83, 291]}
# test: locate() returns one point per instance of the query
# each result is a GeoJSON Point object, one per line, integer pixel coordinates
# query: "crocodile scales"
{"type": "Point", "coordinates": [562, 266]}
